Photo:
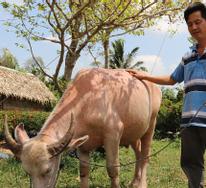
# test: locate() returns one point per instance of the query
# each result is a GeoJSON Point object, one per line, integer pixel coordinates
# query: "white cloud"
{"type": "Point", "coordinates": [153, 64]}
{"type": "Point", "coordinates": [156, 67]}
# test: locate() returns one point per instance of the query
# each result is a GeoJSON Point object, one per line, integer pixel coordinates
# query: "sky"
{"type": "Point", "coordinates": [160, 50]}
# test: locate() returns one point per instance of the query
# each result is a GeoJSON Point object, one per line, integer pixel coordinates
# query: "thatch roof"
{"type": "Point", "coordinates": [23, 86]}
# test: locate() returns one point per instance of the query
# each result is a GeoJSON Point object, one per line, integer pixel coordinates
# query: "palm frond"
{"type": "Point", "coordinates": [137, 64]}
{"type": "Point", "coordinates": [133, 52]}
{"type": "Point", "coordinates": [119, 60]}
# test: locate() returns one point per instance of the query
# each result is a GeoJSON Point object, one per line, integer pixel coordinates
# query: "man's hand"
{"type": "Point", "coordinates": [137, 74]}
{"type": "Point", "coordinates": [142, 75]}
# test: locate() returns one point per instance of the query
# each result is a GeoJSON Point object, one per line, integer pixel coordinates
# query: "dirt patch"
{"type": "Point", "coordinates": [4, 148]}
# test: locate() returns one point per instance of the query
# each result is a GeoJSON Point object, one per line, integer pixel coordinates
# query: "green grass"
{"type": "Point", "coordinates": [163, 172]}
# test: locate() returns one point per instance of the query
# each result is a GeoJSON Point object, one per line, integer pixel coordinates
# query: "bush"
{"type": "Point", "coordinates": [168, 121]}
{"type": "Point", "coordinates": [33, 121]}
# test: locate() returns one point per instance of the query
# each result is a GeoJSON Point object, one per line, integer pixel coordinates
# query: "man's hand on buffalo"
{"type": "Point", "coordinates": [138, 74]}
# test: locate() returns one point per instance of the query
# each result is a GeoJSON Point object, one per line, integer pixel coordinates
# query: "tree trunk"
{"type": "Point", "coordinates": [106, 49]}
{"type": "Point", "coordinates": [70, 61]}
{"type": "Point", "coordinates": [106, 53]}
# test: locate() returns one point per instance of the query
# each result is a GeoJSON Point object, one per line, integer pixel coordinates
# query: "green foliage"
{"type": "Point", "coordinates": [8, 60]}
{"type": "Point", "coordinates": [33, 121]}
{"type": "Point", "coordinates": [5, 5]}
{"type": "Point", "coordinates": [168, 122]}
{"type": "Point", "coordinates": [62, 83]}
{"type": "Point", "coordinates": [41, 7]}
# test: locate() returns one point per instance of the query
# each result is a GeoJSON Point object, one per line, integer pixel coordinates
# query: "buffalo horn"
{"type": "Point", "coordinates": [58, 147]}
{"type": "Point", "coordinates": [13, 145]}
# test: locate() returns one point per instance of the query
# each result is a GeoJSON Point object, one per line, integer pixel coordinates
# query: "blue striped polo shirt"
{"type": "Point", "coordinates": [192, 70]}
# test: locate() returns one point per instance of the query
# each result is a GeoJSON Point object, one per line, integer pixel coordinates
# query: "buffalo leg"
{"type": "Point", "coordinates": [84, 169]}
{"type": "Point", "coordinates": [143, 150]}
{"type": "Point", "coordinates": [138, 173]}
{"type": "Point", "coordinates": [111, 143]}
{"type": "Point", "coordinates": [112, 161]}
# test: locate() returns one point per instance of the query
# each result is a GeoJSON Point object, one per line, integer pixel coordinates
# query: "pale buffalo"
{"type": "Point", "coordinates": [110, 108]}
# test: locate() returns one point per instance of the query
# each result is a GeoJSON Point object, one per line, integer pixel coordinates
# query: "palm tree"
{"type": "Point", "coordinates": [119, 60]}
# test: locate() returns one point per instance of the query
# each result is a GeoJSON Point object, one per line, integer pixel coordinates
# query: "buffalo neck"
{"type": "Point", "coordinates": [59, 120]}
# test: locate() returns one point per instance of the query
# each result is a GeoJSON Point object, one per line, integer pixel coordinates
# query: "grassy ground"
{"type": "Point", "coordinates": [163, 171]}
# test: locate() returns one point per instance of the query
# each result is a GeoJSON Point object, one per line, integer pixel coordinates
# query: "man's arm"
{"type": "Point", "coordinates": [162, 80]}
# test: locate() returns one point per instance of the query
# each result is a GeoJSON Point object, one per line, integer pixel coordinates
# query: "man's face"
{"type": "Point", "coordinates": [197, 26]}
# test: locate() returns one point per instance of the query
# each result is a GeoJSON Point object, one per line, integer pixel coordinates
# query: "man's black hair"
{"type": "Point", "coordinates": [197, 6]}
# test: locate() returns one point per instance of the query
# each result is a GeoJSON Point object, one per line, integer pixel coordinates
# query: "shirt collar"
{"type": "Point", "coordinates": [194, 48]}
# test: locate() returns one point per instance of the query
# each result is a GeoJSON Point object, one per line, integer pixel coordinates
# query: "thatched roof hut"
{"type": "Point", "coordinates": [23, 86]}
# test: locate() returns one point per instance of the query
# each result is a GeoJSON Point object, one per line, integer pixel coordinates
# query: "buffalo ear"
{"type": "Point", "coordinates": [75, 143]}
{"type": "Point", "coordinates": [20, 134]}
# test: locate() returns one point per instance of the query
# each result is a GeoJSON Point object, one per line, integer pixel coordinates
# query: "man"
{"type": "Point", "coordinates": [191, 70]}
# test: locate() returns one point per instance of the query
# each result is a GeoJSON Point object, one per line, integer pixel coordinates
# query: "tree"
{"type": "Point", "coordinates": [119, 60]}
{"type": "Point", "coordinates": [169, 116]}
{"type": "Point", "coordinates": [77, 23]}
{"type": "Point", "coordinates": [8, 60]}
{"type": "Point", "coordinates": [31, 66]}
